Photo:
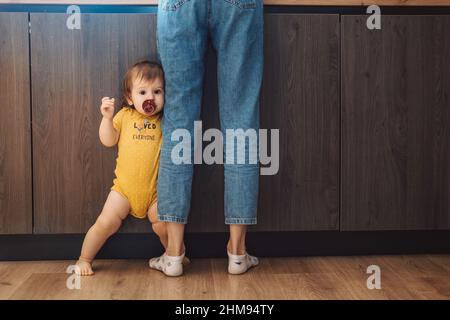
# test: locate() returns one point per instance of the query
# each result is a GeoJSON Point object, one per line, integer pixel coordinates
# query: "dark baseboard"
{"type": "Point", "coordinates": [212, 245]}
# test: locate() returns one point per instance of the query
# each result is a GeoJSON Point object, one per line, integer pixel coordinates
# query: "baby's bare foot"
{"type": "Point", "coordinates": [84, 268]}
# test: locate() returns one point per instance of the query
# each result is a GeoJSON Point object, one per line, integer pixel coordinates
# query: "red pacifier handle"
{"type": "Point", "coordinates": [149, 106]}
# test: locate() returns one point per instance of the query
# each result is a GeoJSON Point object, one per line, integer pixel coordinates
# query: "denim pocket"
{"type": "Point", "coordinates": [172, 5]}
{"type": "Point", "coordinates": [243, 4]}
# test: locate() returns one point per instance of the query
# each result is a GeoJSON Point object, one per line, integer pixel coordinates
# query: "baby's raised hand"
{"type": "Point", "coordinates": [107, 107]}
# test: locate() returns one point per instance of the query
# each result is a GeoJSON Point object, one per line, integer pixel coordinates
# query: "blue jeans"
{"type": "Point", "coordinates": [235, 28]}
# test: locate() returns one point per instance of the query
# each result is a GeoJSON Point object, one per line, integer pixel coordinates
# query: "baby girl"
{"type": "Point", "coordinates": [136, 128]}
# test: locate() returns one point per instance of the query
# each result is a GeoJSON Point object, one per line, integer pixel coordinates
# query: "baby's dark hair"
{"type": "Point", "coordinates": [147, 70]}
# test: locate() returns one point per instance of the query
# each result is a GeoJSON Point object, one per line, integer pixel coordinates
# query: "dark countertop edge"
{"type": "Point", "coordinates": [392, 10]}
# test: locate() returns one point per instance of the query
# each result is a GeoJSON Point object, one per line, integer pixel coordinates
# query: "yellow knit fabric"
{"type": "Point", "coordinates": [138, 158]}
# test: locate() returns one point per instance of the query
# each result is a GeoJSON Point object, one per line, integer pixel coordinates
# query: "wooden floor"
{"type": "Point", "coordinates": [402, 277]}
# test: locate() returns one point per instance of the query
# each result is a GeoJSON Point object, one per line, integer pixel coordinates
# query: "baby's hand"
{"type": "Point", "coordinates": [107, 107]}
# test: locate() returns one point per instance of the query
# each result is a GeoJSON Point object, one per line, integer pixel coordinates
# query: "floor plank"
{"type": "Point", "coordinates": [402, 277]}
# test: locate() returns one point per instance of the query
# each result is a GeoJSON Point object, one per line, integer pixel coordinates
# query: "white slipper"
{"type": "Point", "coordinates": [238, 264]}
{"type": "Point", "coordinates": [171, 266]}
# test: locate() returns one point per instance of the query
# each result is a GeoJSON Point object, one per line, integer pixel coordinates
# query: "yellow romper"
{"type": "Point", "coordinates": [138, 158]}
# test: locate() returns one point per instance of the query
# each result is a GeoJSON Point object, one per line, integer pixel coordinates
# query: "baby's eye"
{"type": "Point", "coordinates": [142, 92]}
{"type": "Point", "coordinates": [158, 91]}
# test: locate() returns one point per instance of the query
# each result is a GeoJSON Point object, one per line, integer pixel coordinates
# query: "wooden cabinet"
{"type": "Point", "coordinates": [363, 117]}
{"type": "Point", "coordinates": [15, 138]}
{"type": "Point", "coordinates": [300, 97]}
{"type": "Point", "coordinates": [396, 123]}
{"type": "Point", "coordinates": [71, 71]}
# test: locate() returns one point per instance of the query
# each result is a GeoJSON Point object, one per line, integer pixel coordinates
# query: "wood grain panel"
{"type": "Point", "coordinates": [395, 123]}
{"type": "Point", "coordinates": [72, 70]}
{"type": "Point", "coordinates": [15, 133]}
{"type": "Point", "coordinates": [300, 97]}
{"type": "Point", "coordinates": [418, 277]}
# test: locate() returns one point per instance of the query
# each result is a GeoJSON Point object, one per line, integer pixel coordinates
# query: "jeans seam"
{"type": "Point", "coordinates": [240, 221]}
{"type": "Point", "coordinates": [249, 5]}
{"type": "Point", "coordinates": [168, 218]}
{"type": "Point", "coordinates": [208, 18]}
{"type": "Point", "coordinates": [175, 6]}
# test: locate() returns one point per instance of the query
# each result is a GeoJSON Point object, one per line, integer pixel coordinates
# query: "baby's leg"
{"type": "Point", "coordinates": [160, 227]}
{"type": "Point", "coordinates": [116, 209]}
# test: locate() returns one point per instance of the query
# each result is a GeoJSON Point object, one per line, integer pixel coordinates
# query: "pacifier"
{"type": "Point", "coordinates": [149, 106]}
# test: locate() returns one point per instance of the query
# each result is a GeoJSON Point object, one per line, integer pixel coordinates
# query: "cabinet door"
{"type": "Point", "coordinates": [396, 123]}
{"type": "Point", "coordinates": [300, 97]}
{"type": "Point", "coordinates": [15, 135]}
{"type": "Point", "coordinates": [71, 71]}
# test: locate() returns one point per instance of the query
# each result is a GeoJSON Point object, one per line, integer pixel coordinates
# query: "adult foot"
{"type": "Point", "coordinates": [171, 266]}
{"type": "Point", "coordinates": [238, 264]}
